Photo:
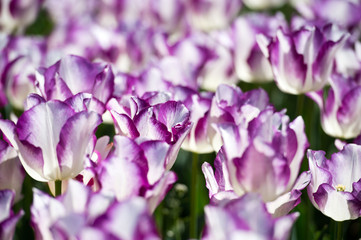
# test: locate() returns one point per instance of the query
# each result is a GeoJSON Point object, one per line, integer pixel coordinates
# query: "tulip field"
{"type": "Point", "coordinates": [180, 119]}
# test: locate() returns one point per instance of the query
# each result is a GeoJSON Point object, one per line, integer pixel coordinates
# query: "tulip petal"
{"type": "Point", "coordinates": [155, 153]}
{"type": "Point", "coordinates": [336, 204]}
{"type": "Point", "coordinates": [12, 175]}
{"type": "Point", "coordinates": [149, 127]}
{"type": "Point", "coordinates": [124, 125]}
{"type": "Point", "coordinates": [76, 142]}
{"type": "Point", "coordinates": [6, 199]}
{"type": "Point", "coordinates": [40, 127]}
{"type": "Point", "coordinates": [288, 66]}
{"type": "Point", "coordinates": [172, 114]}
{"type": "Point", "coordinates": [134, 219]}
{"type": "Point", "coordinates": [297, 144]}
{"type": "Point", "coordinates": [155, 195]}
{"type": "Point", "coordinates": [8, 220]}
{"type": "Point", "coordinates": [345, 166]}
{"type": "Point", "coordinates": [104, 85]}
{"type": "Point", "coordinates": [78, 73]}
{"type": "Point", "coordinates": [288, 201]}
{"type": "Point", "coordinates": [211, 182]}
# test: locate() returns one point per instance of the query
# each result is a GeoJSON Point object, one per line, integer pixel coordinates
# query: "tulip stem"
{"type": "Point", "coordinates": [338, 230]}
{"type": "Point", "coordinates": [57, 188]}
{"type": "Point", "coordinates": [300, 103]}
{"type": "Point", "coordinates": [193, 198]}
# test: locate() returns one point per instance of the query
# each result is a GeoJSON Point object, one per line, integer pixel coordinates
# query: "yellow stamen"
{"type": "Point", "coordinates": [340, 188]}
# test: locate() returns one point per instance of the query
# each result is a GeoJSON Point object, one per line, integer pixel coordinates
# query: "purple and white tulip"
{"type": "Point", "coordinates": [198, 59]}
{"type": "Point", "coordinates": [185, 61]}
{"type": "Point", "coordinates": [246, 218]}
{"type": "Point", "coordinates": [339, 111]}
{"type": "Point", "coordinates": [127, 14]}
{"type": "Point", "coordinates": [52, 140]}
{"type": "Point", "coordinates": [302, 61]}
{"type": "Point", "coordinates": [218, 182]}
{"type": "Point", "coordinates": [167, 14]}
{"type": "Point", "coordinates": [72, 75]}
{"type": "Point", "coordinates": [67, 11]}
{"type": "Point", "coordinates": [8, 219]}
{"type": "Point", "coordinates": [134, 217]}
{"type": "Point", "coordinates": [335, 184]}
{"type": "Point", "coordinates": [89, 176]}
{"type": "Point", "coordinates": [3, 62]}
{"type": "Point", "coordinates": [137, 169]}
{"type": "Point", "coordinates": [195, 60]}
{"type": "Point", "coordinates": [149, 80]}
{"type": "Point", "coordinates": [231, 105]}
{"type": "Point", "coordinates": [166, 121]}
{"type": "Point", "coordinates": [264, 158]}
{"type": "Point", "coordinates": [214, 14]}
{"type": "Point", "coordinates": [16, 15]}
{"type": "Point", "coordinates": [219, 67]}
{"type": "Point", "coordinates": [12, 174]}
{"type": "Point", "coordinates": [348, 60]}
{"type": "Point", "coordinates": [88, 40]}
{"type": "Point", "coordinates": [199, 105]}
{"type": "Point", "coordinates": [142, 45]}
{"type": "Point", "coordinates": [250, 63]}
{"type": "Point", "coordinates": [82, 214]}
{"type": "Point", "coordinates": [345, 13]}
{"type": "Point", "coordinates": [22, 56]}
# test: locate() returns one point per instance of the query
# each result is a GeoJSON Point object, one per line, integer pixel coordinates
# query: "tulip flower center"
{"type": "Point", "coordinates": [340, 188]}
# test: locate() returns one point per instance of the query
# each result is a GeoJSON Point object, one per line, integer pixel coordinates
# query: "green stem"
{"type": "Point", "coordinates": [338, 235]}
{"type": "Point", "coordinates": [300, 103]}
{"type": "Point", "coordinates": [193, 198]}
{"type": "Point", "coordinates": [57, 188]}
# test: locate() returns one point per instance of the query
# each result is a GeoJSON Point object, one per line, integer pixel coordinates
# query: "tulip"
{"type": "Point", "coordinates": [245, 218]}
{"type": "Point", "coordinates": [179, 65]}
{"type": "Point", "coordinates": [348, 59]}
{"type": "Point", "coordinates": [302, 61]}
{"type": "Point", "coordinates": [264, 158]}
{"type": "Point", "coordinates": [72, 75]}
{"type": "Point", "coordinates": [11, 172]}
{"type": "Point", "coordinates": [142, 44]}
{"type": "Point", "coordinates": [167, 14]}
{"type": "Point", "coordinates": [83, 39]}
{"type": "Point", "coordinates": [339, 110]}
{"type": "Point", "coordinates": [52, 140]}
{"type": "Point", "coordinates": [126, 13]}
{"type": "Point", "coordinates": [143, 170]}
{"type": "Point", "coordinates": [89, 175]}
{"type": "Point", "coordinates": [68, 11]}
{"type": "Point", "coordinates": [215, 14]}
{"type": "Point", "coordinates": [344, 13]}
{"type": "Point", "coordinates": [187, 58]}
{"type": "Point", "coordinates": [152, 79]}
{"type": "Point", "coordinates": [8, 219]}
{"type": "Point", "coordinates": [198, 59]}
{"type": "Point", "coordinates": [219, 67]}
{"type": "Point", "coordinates": [250, 63]}
{"type": "Point", "coordinates": [199, 105]}
{"type": "Point", "coordinates": [16, 15]}
{"type": "Point", "coordinates": [335, 184]}
{"type": "Point", "coordinates": [165, 121]}
{"type": "Point", "coordinates": [21, 56]}
{"type": "Point", "coordinates": [231, 105]}
{"type": "Point", "coordinates": [82, 214]}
